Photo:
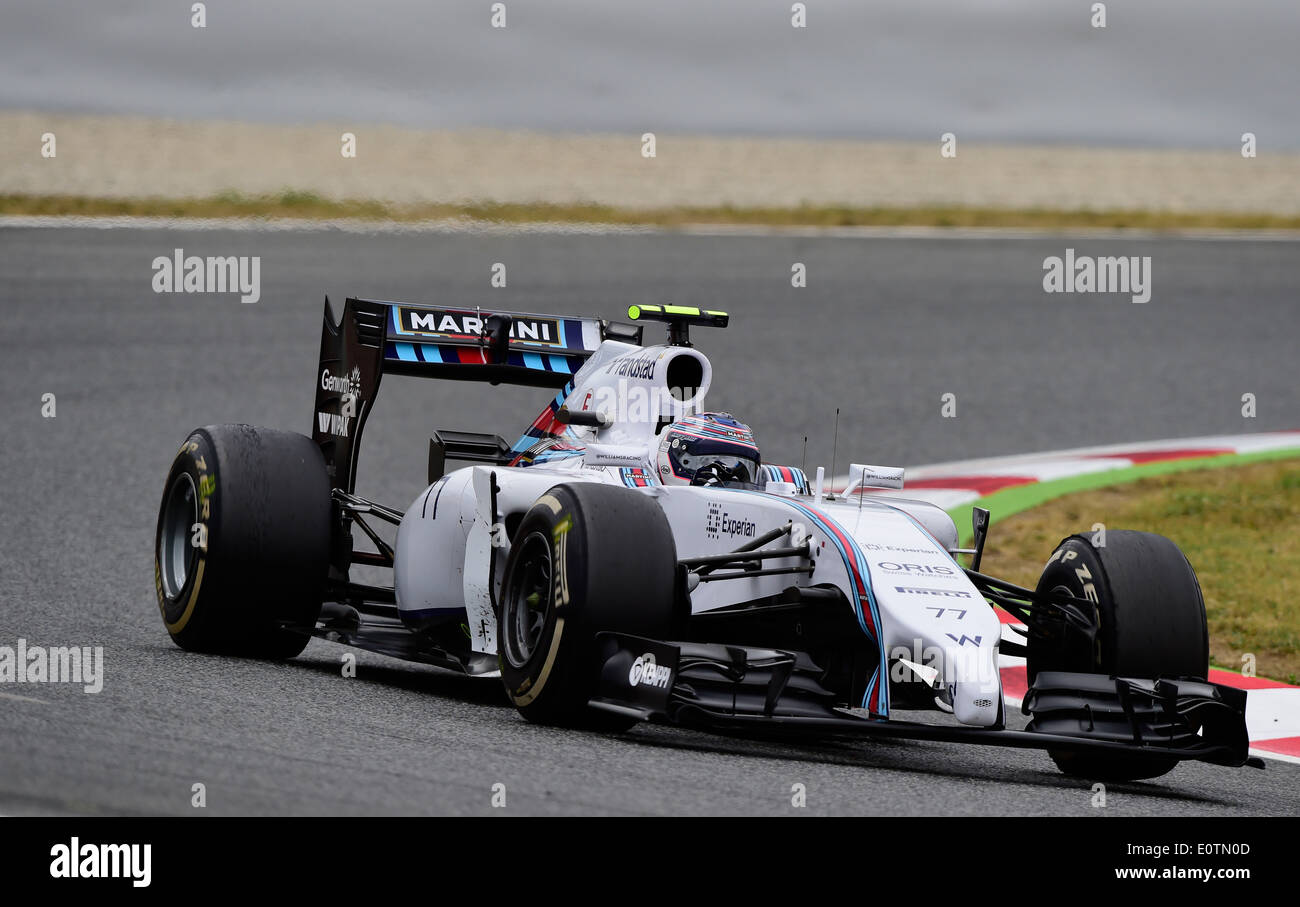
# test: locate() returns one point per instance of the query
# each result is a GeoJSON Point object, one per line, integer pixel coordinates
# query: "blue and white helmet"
{"type": "Point", "coordinates": [713, 440]}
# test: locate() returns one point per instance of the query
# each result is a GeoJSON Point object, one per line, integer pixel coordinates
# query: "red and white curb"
{"type": "Point", "coordinates": [1272, 708]}
{"type": "Point", "coordinates": [951, 485]}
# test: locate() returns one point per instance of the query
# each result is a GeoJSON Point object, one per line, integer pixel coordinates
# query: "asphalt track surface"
{"type": "Point", "coordinates": [885, 326]}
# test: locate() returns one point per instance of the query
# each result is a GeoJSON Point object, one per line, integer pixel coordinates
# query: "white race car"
{"type": "Point", "coordinates": [632, 557]}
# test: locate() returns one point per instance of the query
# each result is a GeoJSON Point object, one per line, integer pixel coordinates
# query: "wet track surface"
{"type": "Point", "coordinates": [883, 329]}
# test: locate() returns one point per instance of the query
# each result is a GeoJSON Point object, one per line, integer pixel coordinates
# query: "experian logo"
{"type": "Point", "coordinates": [719, 522]}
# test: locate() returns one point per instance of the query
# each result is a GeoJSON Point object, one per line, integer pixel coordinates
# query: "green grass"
{"type": "Point", "coordinates": [294, 203]}
{"type": "Point", "coordinates": [1238, 525]}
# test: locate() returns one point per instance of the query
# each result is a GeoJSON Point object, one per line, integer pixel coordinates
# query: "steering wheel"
{"type": "Point", "coordinates": [717, 473]}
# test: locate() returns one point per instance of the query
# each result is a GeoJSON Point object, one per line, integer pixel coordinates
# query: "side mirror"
{"type": "Point", "coordinates": [979, 518]}
{"type": "Point", "coordinates": [437, 460]}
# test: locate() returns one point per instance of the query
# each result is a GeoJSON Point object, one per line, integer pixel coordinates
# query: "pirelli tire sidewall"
{"type": "Point", "coordinates": [613, 569]}
{"type": "Point", "coordinates": [1146, 604]}
{"type": "Point", "coordinates": [1150, 616]}
{"type": "Point", "coordinates": [261, 541]}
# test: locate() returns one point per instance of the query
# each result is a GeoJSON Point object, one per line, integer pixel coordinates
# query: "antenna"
{"type": "Point", "coordinates": [803, 466]}
{"type": "Point", "coordinates": [835, 445]}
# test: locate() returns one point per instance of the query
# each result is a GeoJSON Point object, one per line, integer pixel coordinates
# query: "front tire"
{"type": "Point", "coordinates": [242, 543]}
{"type": "Point", "coordinates": [586, 558]}
{"type": "Point", "coordinates": [1150, 618]}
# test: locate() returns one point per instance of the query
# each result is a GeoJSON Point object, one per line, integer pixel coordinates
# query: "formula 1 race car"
{"type": "Point", "coordinates": [631, 557]}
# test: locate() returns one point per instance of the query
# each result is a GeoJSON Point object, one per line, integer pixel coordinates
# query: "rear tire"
{"type": "Point", "coordinates": [1150, 615]}
{"type": "Point", "coordinates": [260, 500]}
{"type": "Point", "coordinates": [585, 559]}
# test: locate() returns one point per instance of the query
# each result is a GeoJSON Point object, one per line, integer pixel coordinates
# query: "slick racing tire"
{"type": "Point", "coordinates": [585, 559]}
{"type": "Point", "coordinates": [1150, 619]}
{"type": "Point", "coordinates": [242, 544]}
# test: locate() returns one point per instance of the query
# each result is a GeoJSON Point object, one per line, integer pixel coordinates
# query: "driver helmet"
{"type": "Point", "coordinates": [714, 440]}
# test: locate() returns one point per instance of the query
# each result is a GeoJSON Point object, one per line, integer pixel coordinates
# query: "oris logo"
{"type": "Point", "coordinates": [915, 569]}
{"type": "Point", "coordinates": [648, 674]}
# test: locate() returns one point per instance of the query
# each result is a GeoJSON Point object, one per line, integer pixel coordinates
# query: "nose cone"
{"type": "Point", "coordinates": [977, 691]}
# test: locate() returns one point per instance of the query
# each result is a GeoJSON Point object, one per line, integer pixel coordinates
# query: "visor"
{"type": "Point", "coordinates": [699, 452]}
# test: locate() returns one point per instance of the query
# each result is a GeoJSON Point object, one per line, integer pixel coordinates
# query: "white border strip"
{"type": "Point", "coordinates": [470, 225]}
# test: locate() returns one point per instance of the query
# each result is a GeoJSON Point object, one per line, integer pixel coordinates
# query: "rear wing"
{"type": "Point", "coordinates": [373, 338]}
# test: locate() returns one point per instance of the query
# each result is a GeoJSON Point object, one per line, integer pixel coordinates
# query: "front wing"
{"type": "Point", "coordinates": [736, 688]}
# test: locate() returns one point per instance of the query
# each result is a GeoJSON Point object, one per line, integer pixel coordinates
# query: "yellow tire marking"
{"type": "Point", "coordinates": [184, 619]}
{"type": "Point", "coordinates": [536, 688]}
{"type": "Point", "coordinates": [547, 665]}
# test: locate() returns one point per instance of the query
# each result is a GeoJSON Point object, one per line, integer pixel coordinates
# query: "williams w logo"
{"type": "Point", "coordinates": [333, 424]}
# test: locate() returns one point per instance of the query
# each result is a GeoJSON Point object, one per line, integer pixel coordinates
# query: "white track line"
{"type": "Point", "coordinates": [468, 225]}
